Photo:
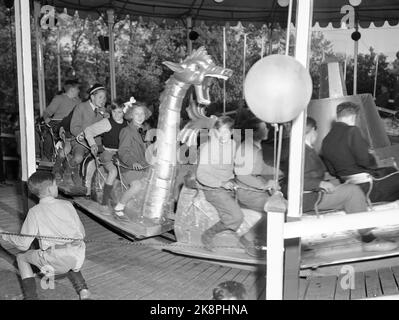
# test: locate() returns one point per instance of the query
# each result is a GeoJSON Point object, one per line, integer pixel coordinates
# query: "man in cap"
{"type": "Point", "coordinates": [84, 115]}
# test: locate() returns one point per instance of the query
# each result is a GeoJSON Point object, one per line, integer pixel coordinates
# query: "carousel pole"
{"type": "Point", "coordinates": [25, 93]}
{"type": "Point", "coordinates": [224, 66]}
{"type": "Point", "coordinates": [244, 58]}
{"type": "Point", "coordinates": [376, 75]}
{"type": "Point", "coordinates": [296, 156]}
{"type": "Point", "coordinates": [262, 47]}
{"type": "Point", "coordinates": [355, 54]}
{"type": "Point", "coordinates": [189, 42]}
{"type": "Point", "coordinates": [39, 58]}
{"type": "Point", "coordinates": [59, 59]}
{"type": "Point", "coordinates": [287, 45]}
{"type": "Point", "coordinates": [111, 21]}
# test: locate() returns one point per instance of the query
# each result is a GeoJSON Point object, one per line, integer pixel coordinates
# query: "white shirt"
{"type": "Point", "coordinates": [50, 217]}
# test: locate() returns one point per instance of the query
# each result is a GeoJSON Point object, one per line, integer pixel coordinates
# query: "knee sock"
{"type": "Point", "coordinates": [106, 194]}
{"type": "Point", "coordinates": [77, 280]}
{"type": "Point", "coordinates": [29, 288]}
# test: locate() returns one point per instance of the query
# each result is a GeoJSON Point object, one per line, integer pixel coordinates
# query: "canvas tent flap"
{"type": "Point", "coordinates": [248, 11]}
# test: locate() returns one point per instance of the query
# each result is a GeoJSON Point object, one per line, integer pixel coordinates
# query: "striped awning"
{"type": "Point", "coordinates": [246, 11]}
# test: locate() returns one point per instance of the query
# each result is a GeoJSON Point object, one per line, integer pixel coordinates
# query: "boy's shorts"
{"type": "Point", "coordinates": [61, 260]}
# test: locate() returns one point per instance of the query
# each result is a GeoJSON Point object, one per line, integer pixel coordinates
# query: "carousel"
{"type": "Point", "coordinates": [168, 203]}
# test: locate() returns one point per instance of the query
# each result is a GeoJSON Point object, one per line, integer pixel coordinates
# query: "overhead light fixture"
{"type": "Point", "coordinates": [283, 3]}
{"type": "Point", "coordinates": [355, 35]}
{"type": "Point", "coordinates": [193, 35]}
{"type": "Point", "coordinates": [218, 1]}
{"type": "Point", "coordinates": [355, 3]}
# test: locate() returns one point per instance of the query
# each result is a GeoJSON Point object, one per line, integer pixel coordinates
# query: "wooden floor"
{"type": "Point", "coordinates": [116, 268]}
{"type": "Point", "coordinates": [368, 284]}
{"type": "Point", "coordinates": [119, 269]}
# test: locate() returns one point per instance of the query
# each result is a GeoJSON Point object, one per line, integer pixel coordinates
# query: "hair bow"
{"type": "Point", "coordinates": [129, 104]}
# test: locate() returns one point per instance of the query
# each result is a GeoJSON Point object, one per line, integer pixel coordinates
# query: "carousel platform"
{"type": "Point", "coordinates": [119, 269]}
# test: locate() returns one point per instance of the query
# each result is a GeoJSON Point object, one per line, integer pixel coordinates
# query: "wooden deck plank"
{"type": "Point", "coordinates": [146, 274]}
{"type": "Point", "coordinates": [254, 284]}
{"type": "Point", "coordinates": [303, 286]}
{"type": "Point", "coordinates": [395, 272]}
{"type": "Point", "coordinates": [321, 288]}
{"type": "Point", "coordinates": [388, 283]}
{"type": "Point", "coordinates": [185, 287]}
{"type": "Point", "coordinates": [373, 286]}
{"type": "Point", "coordinates": [206, 291]}
{"type": "Point", "coordinates": [359, 292]}
{"type": "Point", "coordinates": [340, 292]}
{"type": "Point", "coordinates": [127, 287]}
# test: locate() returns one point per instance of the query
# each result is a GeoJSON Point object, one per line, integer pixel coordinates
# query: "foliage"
{"type": "Point", "coordinates": [140, 49]}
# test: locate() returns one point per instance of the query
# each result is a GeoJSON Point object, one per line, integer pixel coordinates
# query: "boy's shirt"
{"type": "Point", "coordinates": [250, 168]}
{"type": "Point", "coordinates": [61, 106]}
{"type": "Point", "coordinates": [216, 162]}
{"type": "Point", "coordinates": [50, 217]}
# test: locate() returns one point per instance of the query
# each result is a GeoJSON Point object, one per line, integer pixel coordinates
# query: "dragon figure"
{"type": "Point", "coordinates": [196, 70]}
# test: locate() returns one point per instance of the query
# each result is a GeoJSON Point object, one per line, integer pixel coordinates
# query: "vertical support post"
{"type": "Point", "coordinates": [355, 67]}
{"type": "Point", "coordinates": [275, 255]}
{"type": "Point", "coordinates": [244, 58]}
{"type": "Point", "coordinates": [59, 59]}
{"type": "Point", "coordinates": [111, 21]}
{"type": "Point", "coordinates": [39, 59]}
{"type": "Point", "coordinates": [355, 54]}
{"type": "Point", "coordinates": [224, 66]}
{"type": "Point", "coordinates": [189, 42]}
{"type": "Point", "coordinates": [296, 157]}
{"type": "Point", "coordinates": [25, 92]}
{"type": "Point", "coordinates": [376, 75]}
{"type": "Point", "coordinates": [287, 43]}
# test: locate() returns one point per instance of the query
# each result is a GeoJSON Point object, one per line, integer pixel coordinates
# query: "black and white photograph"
{"type": "Point", "coordinates": [172, 153]}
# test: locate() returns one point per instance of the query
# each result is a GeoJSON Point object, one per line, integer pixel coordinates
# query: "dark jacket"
{"type": "Point", "coordinates": [346, 152]}
{"type": "Point", "coordinates": [83, 116]}
{"type": "Point", "coordinates": [313, 174]}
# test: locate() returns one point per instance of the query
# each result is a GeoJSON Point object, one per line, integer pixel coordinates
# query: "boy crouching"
{"type": "Point", "coordinates": [51, 217]}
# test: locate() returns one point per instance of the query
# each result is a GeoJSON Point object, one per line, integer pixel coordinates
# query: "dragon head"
{"type": "Point", "coordinates": [198, 69]}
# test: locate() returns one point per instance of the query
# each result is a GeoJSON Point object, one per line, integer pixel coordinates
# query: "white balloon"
{"type": "Point", "coordinates": [277, 88]}
{"type": "Point", "coordinates": [283, 3]}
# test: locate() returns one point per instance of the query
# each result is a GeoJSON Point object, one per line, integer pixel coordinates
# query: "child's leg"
{"type": "Point", "coordinates": [79, 284]}
{"type": "Point", "coordinates": [28, 282]}
{"type": "Point", "coordinates": [230, 215]}
{"type": "Point", "coordinates": [134, 188]}
{"type": "Point", "coordinates": [112, 174]}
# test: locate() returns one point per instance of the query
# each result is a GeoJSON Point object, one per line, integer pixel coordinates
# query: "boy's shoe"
{"type": "Point", "coordinates": [209, 234]}
{"type": "Point", "coordinates": [84, 294]}
{"type": "Point", "coordinates": [379, 245]}
{"type": "Point", "coordinates": [120, 216]}
{"type": "Point", "coordinates": [252, 248]}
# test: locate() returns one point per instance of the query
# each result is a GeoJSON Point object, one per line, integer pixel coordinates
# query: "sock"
{"type": "Point", "coordinates": [119, 209]}
{"type": "Point", "coordinates": [29, 288]}
{"type": "Point", "coordinates": [367, 237]}
{"type": "Point", "coordinates": [106, 194]}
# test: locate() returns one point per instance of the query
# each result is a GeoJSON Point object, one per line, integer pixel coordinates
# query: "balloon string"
{"type": "Point", "coordinates": [280, 143]}
{"type": "Point", "coordinates": [275, 125]}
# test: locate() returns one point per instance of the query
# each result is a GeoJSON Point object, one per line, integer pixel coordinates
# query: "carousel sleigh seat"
{"type": "Point", "coordinates": [195, 214]}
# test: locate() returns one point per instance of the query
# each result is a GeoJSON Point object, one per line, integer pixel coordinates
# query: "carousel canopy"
{"type": "Point", "coordinates": [249, 11]}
